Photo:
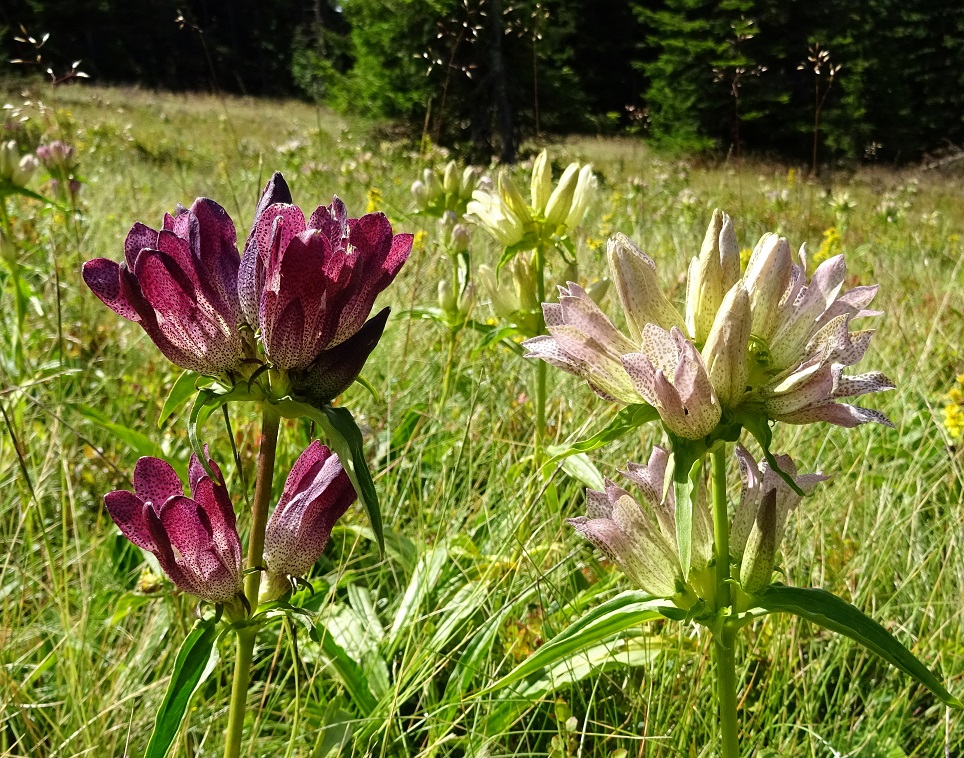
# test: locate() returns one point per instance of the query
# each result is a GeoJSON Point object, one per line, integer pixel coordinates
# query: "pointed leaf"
{"type": "Point", "coordinates": [831, 612]}
{"type": "Point", "coordinates": [626, 610]}
{"type": "Point", "coordinates": [350, 672]}
{"type": "Point", "coordinates": [629, 418]}
{"type": "Point", "coordinates": [194, 662]}
{"type": "Point", "coordinates": [759, 427]}
{"type": "Point", "coordinates": [183, 388]}
{"type": "Point", "coordinates": [687, 467]}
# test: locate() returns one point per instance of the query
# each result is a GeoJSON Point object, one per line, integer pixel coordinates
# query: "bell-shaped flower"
{"type": "Point", "coordinates": [801, 341]}
{"type": "Point", "coordinates": [669, 373]}
{"type": "Point", "coordinates": [195, 539]}
{"type": "Point", "coordinates": [180, 285]}
{"type": "Point", "coordinates": [638, 287]}
{"type": "Point", "coordinates": [760, 519]}
{"type": "Point", "coordinates": [640, 536]}
{"type": "Point", "coordinates": [711, 276]}
{"type": "Point", "coordinates": [488, 209]}
{"type": "Point", "coordinates": [316, 494]}
{"type": "Point", "coordinates": [308, 287]}
{"type": "Point", "coordinates": [583, 341]}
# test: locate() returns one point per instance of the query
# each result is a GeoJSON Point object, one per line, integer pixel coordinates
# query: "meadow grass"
{"type": "Point", "coordinates": [480, 567]}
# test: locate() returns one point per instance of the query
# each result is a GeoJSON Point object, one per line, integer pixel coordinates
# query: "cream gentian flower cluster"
{"type": "Point", "coordinates": [767, 343]}
{"type": "Point", "coordinates": [640, 536]}
{"type": "Point", "coordinates": [550, 212]}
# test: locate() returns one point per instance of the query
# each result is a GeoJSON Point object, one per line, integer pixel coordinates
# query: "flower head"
{"type": "Point", "coordinates": [180, 285]}
{"type": "Point", "coordinates": [316, 494]}
{"type": "Point", "coordinates": [447, 191]}
{"type": "Point", "coordinates": [760, 519]}
{"type": "Point", "coordinates": [308, 286]}
{"type": "Point", "coordinates": [641, 536]}
{"type": "Point", "coordinates": [195, 539]}
{"type": "Point", "coordinates": [801, 340]}
{"type": "Point", "coordinates": [768, 343]}
{"type": "Point", "coordinates": [550, 213]}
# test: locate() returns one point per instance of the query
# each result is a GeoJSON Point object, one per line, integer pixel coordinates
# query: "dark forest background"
{"type": "Point", "coordinates": [885, 76]}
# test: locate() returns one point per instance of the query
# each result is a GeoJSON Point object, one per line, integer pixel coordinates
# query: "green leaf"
{"type": "Point", "coordinates": [9, 188]}
{"type": "Point", "coordinates": [350, 672]}
{"type": "Point", "coordinates": [424, 578]}
{"type": "Point", "coordinates": [614, 654]}
{"type": "Point", "coordinates": [629, 418]}
{"type": "Point", "coordinates": [622, 612]}
{"type": "Point", "coordinates": [140, 443]}
{"type": "Point", "coordinates": [194, 663]}
{"type": "Point", "coordinates": [831, 612]}
{"type": "Point", "coordinates": [526, 243]}
{"type": "Point", "coordinates": [687, 468]}
{"type": "Point", "coordinates": [503, 334]}
{"type": "Point", "coordinates": [759, 427]}
{"type": "Point", "coordinates": [580, 468]}
{"type": "Point", "coordinates": [183, 388]}
{"type": "Point", "coordinates": [205, 403]}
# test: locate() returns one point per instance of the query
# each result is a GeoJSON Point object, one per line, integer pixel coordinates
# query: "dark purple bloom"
{"type": "Point", "coordinates": [195, 539]}
{"type": "Point", "coordinates": [307, 287]}
{"type": "Point", "coordinates": [180, 285]}
{"type": "Point", "coordinates": [317, 493]}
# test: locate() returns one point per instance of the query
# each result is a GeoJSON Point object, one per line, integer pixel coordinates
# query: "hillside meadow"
{"type": "Point", "coordinates": [480, 568]}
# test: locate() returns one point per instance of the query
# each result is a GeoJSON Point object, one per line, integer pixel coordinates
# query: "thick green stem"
{"type": "Point", "coordinates": [270, 423]}
{"type": "Point", "coordinates": [724, 639]}
{"type": "Point", "coordinates": [540, 266]}
{"type": "Point", "coordinates": [724, 651]}
{"type": "Point", "coordinates": [239, 692]}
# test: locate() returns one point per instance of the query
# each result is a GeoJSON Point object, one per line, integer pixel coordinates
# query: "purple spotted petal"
{"type": "Point", "coordinates": [317, 493]}
{"type": "Point", "coordinates": [180, 285]}
{"type": "Point", "coordinates": [195, 540]}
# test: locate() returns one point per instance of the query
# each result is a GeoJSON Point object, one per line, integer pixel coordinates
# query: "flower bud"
{"type": "Point", "coordinates": [469, 181]}
{"type": "Point", "coordinates": [446, 298]}
{"type": "Point", "coordinates": [711, 276]}
{"type": "Point", "coordinates": [450, 182]}
{"type": "Point", "coordinates": [598, 289]}
{"type": "Point", "coordinates": [432, 185]}
{"type": "Point", "coordinates": [585, 188]}
{"type": "Point", "coordinates": [541, 183]}
{"type": "Point", "coordinates": [638, 288]}
{"type": "Point", "coordinates": [766, 280]}
{"type": "Point", "coordinates": [560, 202]}
{"type": "Point", "coordinates": [420, 194]}
{"type": "Point", "coordinates": [726, 346]}
{"type": "Point", "coordinates": [461, 235]}
{"type": "Point", "coordinates": [467, 299]}
{"type": "Point", "coordinates": [761, 547]}
{"type": "Point", "coordinates": [512, 199]}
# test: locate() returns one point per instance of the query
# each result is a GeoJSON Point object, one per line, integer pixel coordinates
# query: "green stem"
{"type": "Point", "coordinates": [239, 691]}
{"type": "Point", "coordinates": [724, 639]}
{"type": "Point", "coordinates": [724, 650]}
{"type": "Point", "coordinates": [540, 265]}
{"type": "Point", "coordinates": [270, 423]}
